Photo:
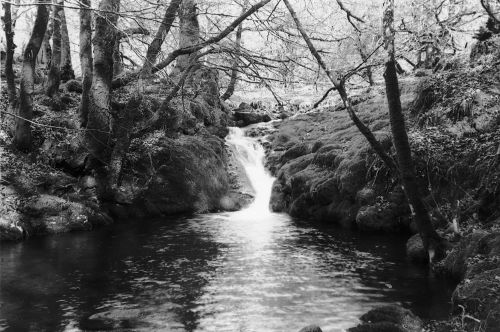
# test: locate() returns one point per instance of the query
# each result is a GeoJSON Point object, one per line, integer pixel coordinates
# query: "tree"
{"type": "Point", "coordinates": [99, 122]}
{"type": "Point", "coordinates": [45, 54]}
{"type": "Point", "coordinates": [189, 33]}
{"type": "Point", "coordinates": [86, 62]}
{"type": "Point", "coordinates": [164, 28]}
{"type": "Point", "coordinates": [125, 79]}
{"type": "Point", "coordinates": [339, 86]}
{"type": "Point", "coordinates": [9, 56]}
{"type": "Point", "coordinates": [67, 72]}
{"type": "Point", "coordinates": [234, 70]}
{"type": "Point", "coordinates": [54, 77]}
{"type": "Point", "coordinates": [22, 137]}
{"type": "Point", "coordinates": [433, 243]}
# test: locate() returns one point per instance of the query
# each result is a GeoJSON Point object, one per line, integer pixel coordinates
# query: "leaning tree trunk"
{"type": "Point", "coordinates": [234, 69]}
{"type": "Point", "coordinates": [86, 62]}
{"type": "Point", "coordinates": [98, 133]}
{"type": "Point", "coordinates": [155, 46]}
{"type": "Point", "coordinates": [431, 240]}
{"type": "Point", "coordinates": [54, 77]}
{"type": "Point", "coordinates": [9, 56]}
{"type": "Point", "coordinates": [22, 137]}
{"type": "Point", "coordinates": [339, 86]}
{"type": "Point", "coordinates": [189, 33]}
{"type": "Point", "coordinates": [67, 72]}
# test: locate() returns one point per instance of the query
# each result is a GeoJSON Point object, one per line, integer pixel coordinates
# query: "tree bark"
{"type": "Point", "coordinates": [189, 33]}
{"type": "Point", "coordinates": [155, 46]}
{"type": "Point", "coordinates": [86, 61]}
{"type": "Point", "coordinates": [9, 56]}
{"type": "Point", "coordinates": [98, 133]}
{"type": "Point", "coordinates": [117, 59]}
{"type": "Point", "coordinates": [376, 146]}
{"type": "Point", "coordinates": [234, 70]}
{"type": "Point", "coordinates": [54, 77]}
{"type": "Point", "coordinates": [67, 72]}
{"type": "Point", "coordinates": [22, 137]}
{"type": "Point", "coordinates": [45, 54]}
{"type": "Point", "coordinates": [431, 240]}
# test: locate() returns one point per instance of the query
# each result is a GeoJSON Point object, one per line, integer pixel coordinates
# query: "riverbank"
{"type": "Point", "coordinates": [326, 171]}
{"type": "Point", "coordinates": [175, 163]}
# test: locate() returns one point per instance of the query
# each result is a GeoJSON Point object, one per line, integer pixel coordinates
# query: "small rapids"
{"type": "Point", "coordinates": [250, 155]}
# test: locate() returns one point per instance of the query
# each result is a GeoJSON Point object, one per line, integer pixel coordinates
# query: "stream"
{"type": "Point", "coordinates": [250, 270]}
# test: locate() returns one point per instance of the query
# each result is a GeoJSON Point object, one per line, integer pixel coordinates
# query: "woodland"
{"type": "Point", "coordinates": [375, 116]}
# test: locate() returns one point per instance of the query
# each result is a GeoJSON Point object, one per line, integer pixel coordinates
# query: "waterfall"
{"type": "Point", "coordinates": [249, 153]}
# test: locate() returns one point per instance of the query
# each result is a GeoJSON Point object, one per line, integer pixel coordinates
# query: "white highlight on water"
{"type": "Point", "coordinates": [250, 154]}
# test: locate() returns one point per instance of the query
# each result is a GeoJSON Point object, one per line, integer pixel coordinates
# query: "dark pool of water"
{"type": "Point", "coordinates": [220, 272]}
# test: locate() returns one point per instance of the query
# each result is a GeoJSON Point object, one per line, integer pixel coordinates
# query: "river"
{"type": "Point", "coordinates": [251, 270]}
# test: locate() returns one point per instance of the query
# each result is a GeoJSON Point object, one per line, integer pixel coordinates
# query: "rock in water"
{"type": "Point", "coordinates": [387, 319]}
{"type": "Point", "coordinates": [245, 118]}
{"type": "Point", "coordinates": [415, 249]}
{"type": "Point", "coordinates": [311, 328]}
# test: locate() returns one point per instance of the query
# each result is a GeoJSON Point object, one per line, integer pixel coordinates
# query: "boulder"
{"type": "Point", "coordinates": [480, 297]}
{"type": "Point", "coordinates": [74, 86]}
{"type": "Point", "coordinates": [389, 318]}
{"type": "Point", "coordinates": [378, 217]}
{"type": "Point", "coordinates": [245, 117]}
{"type": "Point", "coordinates": [52, 214]}
{"type": "Point", "coordinates": [294, 152]}
{"type": "Point", "coordinates": [415, 250]}
{"type": "Point", "coordinates": [455, 264]}
{"type": "Point", "coordinates": [169, 176]}
{"type": "Point", "coordinates": [311, 328]}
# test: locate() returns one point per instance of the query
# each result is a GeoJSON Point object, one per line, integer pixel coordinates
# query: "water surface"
{"type": "Point", "coordinates": [219, 272]}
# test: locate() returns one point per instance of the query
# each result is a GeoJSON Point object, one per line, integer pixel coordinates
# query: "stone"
{"type": "Point", "coordinates": [455, 264]}
{"type": "Point", "coordinates": [378, 217]}
{"type": "Point", "coordinates": [311, 328]}
{"type": "Point", "coordinates": [74, 86]}
{"type": "Point", "coordinates": [245, 118]}
{"type": "Point", "coordinates": [415, 250]}
{"type": "Point", "coordinates": [183, 175]}
{"type": "Point", "coordinates": [389, 318]}
{"type": "Point", "coordinates": [294, 152]}
{"type": "Point", "coordinates": [480, 297]}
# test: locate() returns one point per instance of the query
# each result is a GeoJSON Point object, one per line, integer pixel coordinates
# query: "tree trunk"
{"type": "Point", "coordinates": [234, 70]}
{"type": "Point", "coordinates": [54, 77]}
{"type": "Point", "coordinates": [376, 146]}
{"type": "Point", "coordinates": [86, 62]}
{"type": "Point", "coordinates": [67, 72]}
{"type": "Point", "coordinates": [431, 240]}
{"type": "Point", "coordinates": [155, 46]}
{"type": "Point", "coordinates": [9, 56]}
{"type": "Point", "coordinates": [98, 133]}
{"type": "Point", "coordinates": [189, 33]}
{"type": "Point", "coordinates": [117, 59]}
{"type": "Point", "coordinates": [45, 54]}
{"type": "Point", "coordinates": [22, 137]}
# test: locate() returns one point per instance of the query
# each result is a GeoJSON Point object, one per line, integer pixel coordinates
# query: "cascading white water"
{"type": "Point", "coordinates": [250, 155]}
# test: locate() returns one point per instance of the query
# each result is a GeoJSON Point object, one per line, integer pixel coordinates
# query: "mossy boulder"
{"type": "Point", "coordinates": [480, 297]}
{"type": "Point", "coordinates": [187, 174]}
{"type": "Point", "coordinates": [389, 318]}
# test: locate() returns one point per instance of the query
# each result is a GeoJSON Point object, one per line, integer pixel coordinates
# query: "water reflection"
{"type": "Point", "coordinates": [219, 272]}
